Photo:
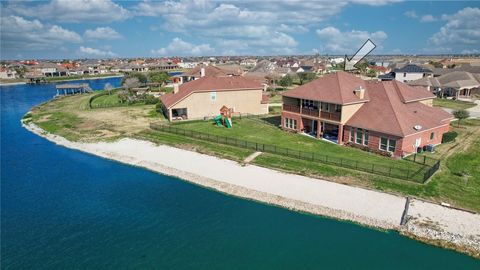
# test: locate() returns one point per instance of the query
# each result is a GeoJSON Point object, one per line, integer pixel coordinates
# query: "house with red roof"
{"type": "Point", "coordinates": [205, 96]}
{"type": "Point", "coordinates": [384, 116]}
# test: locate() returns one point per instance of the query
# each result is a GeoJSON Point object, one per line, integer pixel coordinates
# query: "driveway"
{"type": "Point", "coordinates": [474, 111]}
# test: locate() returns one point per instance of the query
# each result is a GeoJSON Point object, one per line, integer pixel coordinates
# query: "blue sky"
{"type": "Point", "coordinates": [104, 28]}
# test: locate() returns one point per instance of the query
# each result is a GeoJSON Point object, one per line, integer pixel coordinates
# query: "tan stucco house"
{"type": "Point", "coordinates": [205, 96]}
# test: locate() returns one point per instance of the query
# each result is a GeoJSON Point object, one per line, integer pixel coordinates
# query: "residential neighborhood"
{"type": "Point", "coordinates": [214, 134]}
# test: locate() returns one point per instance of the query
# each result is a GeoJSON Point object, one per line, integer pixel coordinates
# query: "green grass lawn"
{"type": "Point", "coordinates": [257, 131]}
{"type": "Point", "coordinates": [106, 101]}
{"type": "Point", "coordinates": [452, 104]}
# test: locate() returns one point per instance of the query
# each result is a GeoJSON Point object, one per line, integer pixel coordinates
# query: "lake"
{"type": "Point", "coordinates": [63, 209]}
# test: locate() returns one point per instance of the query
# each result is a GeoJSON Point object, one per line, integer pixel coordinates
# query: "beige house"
{"type": "Point", "coordinates": [204, 97]}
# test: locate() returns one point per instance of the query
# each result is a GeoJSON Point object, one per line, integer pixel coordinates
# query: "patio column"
{"type": "Point", "coordinates": [319, 129]}
{"type": "Point", "coordinates": [340, 134]}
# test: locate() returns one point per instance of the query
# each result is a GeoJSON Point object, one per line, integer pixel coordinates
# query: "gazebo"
{"type": "Point", "coordinates": [72, 89]}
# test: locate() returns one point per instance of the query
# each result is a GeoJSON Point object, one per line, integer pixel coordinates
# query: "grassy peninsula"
{"type": "Point", "coordinates": [457, 182]}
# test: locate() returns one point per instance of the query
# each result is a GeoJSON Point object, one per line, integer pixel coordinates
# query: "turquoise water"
{"type": "Point", "coordinates": [62, 209]}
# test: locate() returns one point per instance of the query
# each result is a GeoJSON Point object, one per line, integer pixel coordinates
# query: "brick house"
{"type": "Point", "coordinates": [385, 116]}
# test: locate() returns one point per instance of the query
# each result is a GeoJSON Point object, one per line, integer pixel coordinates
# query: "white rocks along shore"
{"type": "Point", "coordinates": [372, 208]}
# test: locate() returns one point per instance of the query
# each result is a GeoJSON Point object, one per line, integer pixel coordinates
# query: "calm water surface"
{"type": "Point", "coordinates": [62, 209]}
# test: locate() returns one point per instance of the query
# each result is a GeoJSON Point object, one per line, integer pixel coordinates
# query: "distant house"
{"type": "Point", "coordinates": [389, 117]}
{"type": "Point", "coordinates": [205, 96]}
{"type": "Point", "coordinates": [6, 73]}
{"type": "Point", "coordinates": [453, 84]}
{"type": "Point", "coordinates": [204, 70]}
{"type": "Point", "coordinates": [407, 73]}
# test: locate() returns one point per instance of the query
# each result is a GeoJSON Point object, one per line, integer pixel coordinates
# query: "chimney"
{"type": "Point", "coordinates": [359, 92]}
{"type": "Point", "coordinates": [202, 72]}
{"type": "Point", "coordinates": [175, 88]}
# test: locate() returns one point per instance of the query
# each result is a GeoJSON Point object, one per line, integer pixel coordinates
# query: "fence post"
{"type": "Point", "coordinates": [256, 146]}
{"type": "Point", "coordinates": [424, 159]}
{"type": "Point", "coordinates": [373, 167]}
{"type": "Point", "coordinates": [408, 172]}
{"type": "Point", "coordinates": [390, 171]}
{"type": "Point", "coordinates": [415, 157]}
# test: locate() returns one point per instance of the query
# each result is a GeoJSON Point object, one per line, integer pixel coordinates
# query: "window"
{"type": "Point", "coordinates": [338, 108]}
{"type": "Point", "coordinates": [213, 96]}
{"type": "Point", "coordinates": [383, 144]}
{"type": "Point", "coordinates": [388, 144]}
{"type": "Point", "coordinates": [307, 103]}
{"type": "Point", "coordinates": [359, 135]}
{"type": "Point", "coordinates": [365, 137]}
{"type": "Point", "coordinates": [404, 74]}
{"type": "Point", "coordinates": [326, 107]}
{"type": "Point", "coordinates": [290, 123]}
{"type": "Point", "coordinates": [391, 145]}
{"type": "Point", "coordinates": [352, 134]}
{"type": "Point", "coordinates": [432, 135]}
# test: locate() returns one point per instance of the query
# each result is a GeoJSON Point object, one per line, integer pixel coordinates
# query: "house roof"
{"type": "Point", "coordinates": [455, 79]}
{"type": "Point", "coordinates": [410, 68]}
{"type": "Point", "coordinates": [209, 71]}
{"type": "Point", "coordinates": [388, 113]}
{"type": "Point", "coordinates": [337, 88]}
{"type": "Point", "coordinates": [209, 84]}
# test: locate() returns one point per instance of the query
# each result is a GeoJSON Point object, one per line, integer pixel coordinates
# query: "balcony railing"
{"type": "Point", "coordinates": [330, 116]}
{"type": "Point", "coordinates": [335, 116]}
{"type": "Point", "coordinates": [311, 111]}
{"type": "Point", "coordinates": [291, 108]}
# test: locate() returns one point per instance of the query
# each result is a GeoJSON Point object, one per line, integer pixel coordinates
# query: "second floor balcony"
{"type": "Point", "coordinates": [313, 111]}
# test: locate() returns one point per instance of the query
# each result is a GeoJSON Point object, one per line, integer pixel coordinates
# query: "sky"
{"type": "Point", "coordinates": [71, 29]}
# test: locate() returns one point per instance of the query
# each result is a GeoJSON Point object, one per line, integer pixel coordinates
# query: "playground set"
{"type": "Point", "coordinates": [225, 117]}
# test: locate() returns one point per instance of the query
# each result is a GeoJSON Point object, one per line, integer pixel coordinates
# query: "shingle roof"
{"type": "Point", "coordinates": [209, 71]}
{"type": "Point", "coordinates": [386, 112]}
{"type": "Point", "coordinates": [337, 88]}
{"type": "Point", "coordinates": [209, 84]}
{"type": "Point", "coordinates": [454, 79]}
{"type": "Point", "coordinates": [412, 69]}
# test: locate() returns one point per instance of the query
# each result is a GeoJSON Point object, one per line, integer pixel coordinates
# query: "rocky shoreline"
{"type": "Point", "coordinates": [425, 221]}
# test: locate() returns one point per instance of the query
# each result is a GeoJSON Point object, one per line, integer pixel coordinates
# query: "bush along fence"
{"type": "Point", "coordinates": [419, 175]}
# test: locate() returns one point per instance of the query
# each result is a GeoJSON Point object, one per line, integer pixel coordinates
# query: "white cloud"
{"type": "Point", "coordinates": [95, 52]}
{"type": "Point", "coordinates": [102, 33]}
{"type": "Point", "coordinates": [71, 10]}
{"type": "Point", "coordinates": [461, 31]}
{"type": "Point", "coordinates": [411, 14]}
{"type": "Point", "coordinates": [375, 2]}
{"type": "Point", "coordinates": [427, 18]}
{"type": "Point", "coordinates": [178, 47]}
{"type": "Point", "coordinates": [21, 34]}
{"type": "Point", "coordinates": [347, 42]}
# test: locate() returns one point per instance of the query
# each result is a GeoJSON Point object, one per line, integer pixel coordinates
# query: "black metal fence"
{"type": "Point", "coordinates": [419, 173]}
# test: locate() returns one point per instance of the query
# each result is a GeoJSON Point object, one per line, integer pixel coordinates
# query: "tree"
{"type": "Point", "coordinates": [371, 73]}
{"type": "Point", "coordinates": [286, 80]}
{"type": "Point", "coordinates": [305, 77]}
{"type": "Point", "coordinates": [158, 77]}
{"type": "Point", "coordinates": [108, 88]}
{"type": "Point", "coordinates": [131, 83]}
{"type": "Point", "coordinates": [142, 78]}
{"type": "Point", "coordinates": [460, 115]}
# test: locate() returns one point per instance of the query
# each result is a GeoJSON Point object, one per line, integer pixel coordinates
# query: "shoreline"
{"type": "Point", "coordinates": [425, 221]}
{"type": "Point", "coordinates": [65, 80]}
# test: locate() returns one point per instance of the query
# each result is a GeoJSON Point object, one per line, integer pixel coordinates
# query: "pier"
{"type": "Point", "coordinates": [72, 89]}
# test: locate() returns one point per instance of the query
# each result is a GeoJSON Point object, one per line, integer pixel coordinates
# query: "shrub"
{"type": "Point", "coordinates": [150, 99]}
{"type": "Point", "coordinates": [449, 136]}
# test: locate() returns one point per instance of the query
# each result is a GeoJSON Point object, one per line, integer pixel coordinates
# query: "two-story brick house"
{"type": "Point", "coordinates": [385, 116]}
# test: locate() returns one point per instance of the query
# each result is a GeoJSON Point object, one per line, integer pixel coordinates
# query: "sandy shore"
{"type": "Point", "coordinates": [372, 208]}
